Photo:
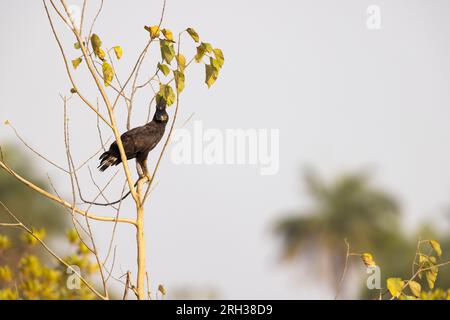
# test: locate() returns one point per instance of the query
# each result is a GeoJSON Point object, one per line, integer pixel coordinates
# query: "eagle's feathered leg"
{"type": "Point", "coordinates": [146, 173]}
{"type": "Point", "coordinates": [142, 170]}
{"type": "Point", "coordinates": [139, 169]}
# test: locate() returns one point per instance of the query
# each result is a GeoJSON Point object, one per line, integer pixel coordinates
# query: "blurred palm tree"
{"type": "Point", "coordinates": [348, 208]}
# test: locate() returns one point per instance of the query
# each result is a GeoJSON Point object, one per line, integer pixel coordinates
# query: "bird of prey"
{"type": "Point", "coordinates": [138, 142]}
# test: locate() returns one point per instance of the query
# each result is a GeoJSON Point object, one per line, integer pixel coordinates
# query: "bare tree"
{"type": "Point", "coordinates": [99, 62]}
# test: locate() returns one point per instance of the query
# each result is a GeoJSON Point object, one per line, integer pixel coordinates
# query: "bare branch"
{"type": "Point", "coordinates": [69, 73]}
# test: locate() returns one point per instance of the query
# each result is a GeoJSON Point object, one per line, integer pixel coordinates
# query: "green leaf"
{"type": "Point", "coordinates": [167, 34]}
{"type": "Point", "coordinates": [181, 60]}
{"type": "Point", "coordinates": [164, 68]}
{"type": "Point", "coordinates": [219, 56]}
{"type": "Point", "coordinates": [118, 51]}
{"type": "Point", "coordinates": [108, 73]}
{"type": "Point", "coordinates": [153, 30]}
{"type": "Point", "coordinates": [210, 75]}
{"type": "Point", "coordinates": [436, 247]}
{"type": "Point", "coordinates": [193, 34]}
{"type": "Point", "coordinates": [96, 44]}
{"type": "Point", "coordinates": [395, 286]}
{"type": "Point", "coordinates": [167, 50]}
{"type": "Point", "coordinates": [179, 80]}
{"type": "Point", "coordinates": [76, 62]}
{"type": "Point", "coordinates": [76, 45]}
{"type": "Point", "coordinates": [415, 287]}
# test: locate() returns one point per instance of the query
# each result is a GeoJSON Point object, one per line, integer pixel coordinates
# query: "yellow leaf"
{"type": "Point", "coordinates": [179, 80]}
{"type": "Point", "coordinates": [431, 276]}
{"type": "Point", "coordinates": [167, 34]}
{"type": "Point", "coordinates": [164, 69]}
{"type": "Point", "coordinates": [101, 54]}
{"type": "Point", "coordinates": [153, 30]}
{"type": "Point", "coordinates": [5, 273]}
{"type": "Point", "coordinates": [76, 62]}
{"type": "Point", "coordinates": [96, 43]}
{"type": "Point", "coordinates": [118, 51]}
{"type": "Point", "coordinates": [166, 93]}
{"type": "Point", "coordinates": [200, 53]}
{"type": "Point", "coordinates": [83, 248]}
{"type": "Point", "coordinates": [215, 63]}
{"type": "Point", "coordinates": [108, 73]}
{"type": "Point", "coordinates": [368, 260]}
{"type": "Point", "coordinates": [193, 34]}
{"type": "Point", "coordinates": [162, 289]}
{"type": "Point", "coordinates": [219, 56]}
{"type": "Point", "coordinates": [436, 247]}
{"type": "Point", "coordinates": [415, 287]}
{"type": "Point", "coordinates": [211, 75]}
{"type": "Point", "coordinates": [395, 286]}
{"type": "Point", "coordinates": [202, 49]}
{"type": "Point", "coordinates": [167, 50]}
{"type": "Point", "coordinates": [5, 242]}
{"type": "Point", "coordinates": [181, 60]}
{"type": "Point", "coordinates": [7, 123]}
{"type": "Point", "coordinates": [72, 236]}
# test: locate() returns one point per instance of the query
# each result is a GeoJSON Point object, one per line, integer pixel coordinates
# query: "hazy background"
{"type": "Point", "coordinates": [344, 98]}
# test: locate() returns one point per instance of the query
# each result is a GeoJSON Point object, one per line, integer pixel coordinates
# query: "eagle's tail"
{"type": "Point", "coordinates": [108, 159]}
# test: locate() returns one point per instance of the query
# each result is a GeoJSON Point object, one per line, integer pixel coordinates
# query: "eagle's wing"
{"type": "Point", "coordinates": [137, 143]}
{"type": "Point", "coordinates": [112, 156]}
{"type": "Point", "coordinates": [151, 135]}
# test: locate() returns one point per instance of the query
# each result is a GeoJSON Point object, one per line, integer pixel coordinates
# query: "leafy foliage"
{"type": "Point", "coordinates": [34, 279]}
{"type": "Point", "coordinates": [425, 266]}
{"type": "Point", "coordinates": [351, 207]}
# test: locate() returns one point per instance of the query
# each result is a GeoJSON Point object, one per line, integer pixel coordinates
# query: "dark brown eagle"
{"type": "Point", "coordinates": [138, 142]}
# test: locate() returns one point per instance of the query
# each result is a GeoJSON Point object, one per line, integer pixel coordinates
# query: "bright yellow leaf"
{"type": "Point", "coordinates": [153, 30]}
{"type": "Point", "coordinates": [108, 73]}
{"type": "Point", "coordinates": [76, 62]}
{"type": "Point", "coordinates": [436, 247]}
{"type": "Point", "coordinates": [367, 258]}
{"type": "Point", "coordinates": [118, 51]}
{"type": "Point", "coordinates": [395, 286]}
{"type": "Point", "coordinates": [167, 34]}
{"type": "Point", "coordinates": [415, 287]}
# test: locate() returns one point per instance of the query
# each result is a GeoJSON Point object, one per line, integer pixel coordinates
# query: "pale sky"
{"type": "Point", "coordinates": [343, 97]}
